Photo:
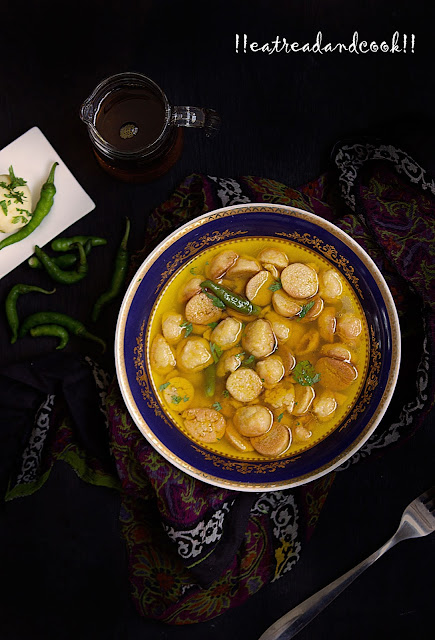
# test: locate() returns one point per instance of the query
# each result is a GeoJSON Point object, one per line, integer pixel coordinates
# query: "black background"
{"type": "Point", "coordinates": [62, 569]}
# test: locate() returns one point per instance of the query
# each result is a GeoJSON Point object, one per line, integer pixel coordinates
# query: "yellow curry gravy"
{"type": "Point", "coordinates": [301, 338]}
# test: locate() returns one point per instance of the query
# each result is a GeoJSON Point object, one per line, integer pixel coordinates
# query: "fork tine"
{"type": "Point", "coordinates": [428, 499]}
{"type": "Point", "coordinates": [430, 505]}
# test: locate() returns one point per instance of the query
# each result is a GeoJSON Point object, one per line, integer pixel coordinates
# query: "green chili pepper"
{"type": "Point", "coordinates": [64, 261]}
{"type": "Point", "coordinates": [74, 326]}
{"type": "Point", "coordinates": [11, 305]}
{"type": "Point", "coordinates": [118, 276]}
{"type": "Point", "coordinates": [60, 275]}
{"type": "Point", "coordinates": [231, 299]}
{"type": "Point", "coordinates": [54, 330]}
{"type": "Point", "coordinates": [64, 244]}
{"type": "Point", "coordinates": [210, 380]}
{"type": "Point", "coordinates": [43, 207]}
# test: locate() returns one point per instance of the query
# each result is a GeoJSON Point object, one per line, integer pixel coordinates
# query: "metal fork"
{"type": "Point", "coordinates": [418, 520]}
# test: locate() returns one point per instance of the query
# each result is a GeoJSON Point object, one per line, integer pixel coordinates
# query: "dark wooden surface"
{"type": "Point", "coordinates": [63, 565]}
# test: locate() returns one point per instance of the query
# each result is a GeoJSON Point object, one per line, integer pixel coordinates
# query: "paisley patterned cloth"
{"type": "Point", "coordinates": [195, 551]}
{"type": "Point", "coordinates": [183, 566]}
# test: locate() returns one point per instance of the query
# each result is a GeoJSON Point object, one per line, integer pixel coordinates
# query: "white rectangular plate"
{"type": "Point", "coordinates": [32, 157]}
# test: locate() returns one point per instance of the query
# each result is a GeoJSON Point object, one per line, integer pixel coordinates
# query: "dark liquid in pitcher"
{"type": "Point", "coordinates": [131, 118]}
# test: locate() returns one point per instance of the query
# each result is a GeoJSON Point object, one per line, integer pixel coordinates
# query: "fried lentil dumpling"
{"type": "Point", "coordinates": [171, 327]}
{"type": "Point", "coordinates": [349, 326]}
{"type": "Point", "coordinates": [208, 425]}
{"type": "Point", "coordinates": [241, 443]}
{"type": "Point", "coordinates": [259, 339]}
{"type": "Point", "coordinates": [227, 333]}
{"type": "Point", "coordinates": [300, 281]}
{"type": "Point", "coordinates": [244, 384]}
{"type": "Point", "coordinates": [324, 406]}
{"type": "Point", "coordinates": [162, 355]}
{"type": "Point", "coordinates": [284, 305]}
{"type": "Point", "coordinates": [274, 442]}
{"type": "Point", "coordinates": [220, 264]}
{"type": "Point", "coordinates": [271, 370]}
{"type": "Point", "coordinates": [253, 420]}
{"type": "Point", "coordinates": [201, 310]}
{"type": "Point", "coordinates": [194, 354]}
{"type": "Point", "coordinates": [191, 287]}
{"type": "Point", "coordinates": [281, 397]}
{"type": "Point", "coordinates": [331, 286]}
{"type": "Point", "coordinates": [179, 393]}
{"type": "Point", "coordinates": [273, 257]}
{"type": "Point", "coordinates": [244, 267]}
{"type": "Point", "coordinates": [336, 375]}
{"type": "Point", "coordinates": [304, 397]}
{"type": "Point", "coordinates": [258, 288]}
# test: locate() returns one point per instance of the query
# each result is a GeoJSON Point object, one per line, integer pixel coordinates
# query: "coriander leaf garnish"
{"type": "Point", "coordinates": [164, 385]}
{"type": "Point", "coordinates": [280, 417]}
{"type": "Point", "coordinates": [305, 374]}
{"type": "Point", "coordinates": [17, 195]}
{"type": "Point", "coordinates": [249, 360]}
{"type": "Point", "coordinates": [217, 303]}
{"type": "Point", "coordinates": [213, 325]}
{"type": "Point", "coordinates": [217, 406]}
{"type": "Point", "coordinates": [189, 328]}
{"type": "Point", "coordinates": [15, 182]}
{"type": "Point", "coordinates": [17, 219]}
{"type": "Point", "coordinates": [193, 271]}
{"type": "Point", "coordinates": [305, 309]}
{"type": "Point", "coordinates": [176, 399]}
{"type": "Point", "coordinates": [275, 286]}
{"type": "Point", "coordinates": [226, 393]}
{"type": "Point", "coordinates": [216, 351]}
{"type": "Point", "coordinates": [4, 207]}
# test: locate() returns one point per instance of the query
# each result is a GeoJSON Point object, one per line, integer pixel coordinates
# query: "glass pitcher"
{"type": "Point", "coordinates": [137, 136]}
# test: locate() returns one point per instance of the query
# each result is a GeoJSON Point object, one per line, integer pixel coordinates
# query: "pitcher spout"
{"type": "Point", "coordinates": [87, 112]}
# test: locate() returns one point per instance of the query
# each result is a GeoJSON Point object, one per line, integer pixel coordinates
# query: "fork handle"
{"type": "Point", "coordinates": [292, 622]}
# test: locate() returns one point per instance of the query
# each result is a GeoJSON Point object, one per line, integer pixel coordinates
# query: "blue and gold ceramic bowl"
{"type": "Point", "coordinates": [180, 248]}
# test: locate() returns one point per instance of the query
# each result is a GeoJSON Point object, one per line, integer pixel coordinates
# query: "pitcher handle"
{"type": "Point", "coordinates": [207, 119]}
